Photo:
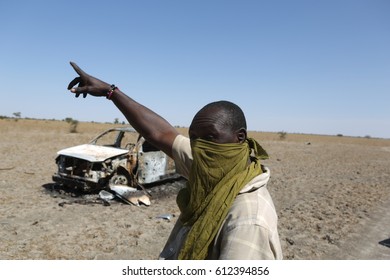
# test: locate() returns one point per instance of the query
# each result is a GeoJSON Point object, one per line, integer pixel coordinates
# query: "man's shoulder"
{"type": "Point", "coordinates": [181, 151]}
{"type": "Point", "coordinates": [253, 208]}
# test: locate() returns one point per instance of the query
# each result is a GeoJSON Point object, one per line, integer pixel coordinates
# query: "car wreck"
{"type": "Point", "coordinates": [118, 160]}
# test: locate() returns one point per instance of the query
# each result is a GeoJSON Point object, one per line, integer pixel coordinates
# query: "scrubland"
{"type": "Point", "coordinates": [332, 196]}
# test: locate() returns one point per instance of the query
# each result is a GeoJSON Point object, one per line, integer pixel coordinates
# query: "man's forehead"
{"type": "Point", "coordinates": [204, 125]}
{"type": "Point", "coordinates": [208, 118]}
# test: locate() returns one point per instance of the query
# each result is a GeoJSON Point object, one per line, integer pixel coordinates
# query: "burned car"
{"type": "Point", "coordinates": [117, 157]}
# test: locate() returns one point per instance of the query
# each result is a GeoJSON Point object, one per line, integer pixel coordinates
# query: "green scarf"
{"type": "Point", "coordinates": [218, 173]}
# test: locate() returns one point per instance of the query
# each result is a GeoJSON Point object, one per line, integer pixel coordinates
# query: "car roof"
{"type": "Point", "coordinates": [125, 128]}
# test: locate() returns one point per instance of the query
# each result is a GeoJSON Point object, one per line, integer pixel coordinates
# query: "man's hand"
{"type": "Point", "coordinates": [87, 84]}
{"type": "Point", "coordinates": [150, 125]}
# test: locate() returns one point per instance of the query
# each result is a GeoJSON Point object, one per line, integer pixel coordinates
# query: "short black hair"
{"type": "Point", "coordinates": [234, 116]}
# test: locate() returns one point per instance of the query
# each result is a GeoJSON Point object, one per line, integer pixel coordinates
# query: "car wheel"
{"type": "Point", "coordinates": [119, 179]}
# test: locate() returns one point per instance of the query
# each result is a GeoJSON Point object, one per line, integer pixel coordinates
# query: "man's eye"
{"type": "Point", "coordinates": [209, 137]}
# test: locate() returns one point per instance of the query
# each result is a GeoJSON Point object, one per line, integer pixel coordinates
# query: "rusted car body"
{"type": "Point", "coordinates": [118, 156]}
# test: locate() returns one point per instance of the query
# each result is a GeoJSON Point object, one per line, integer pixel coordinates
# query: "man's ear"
{"type": "Point", "coordinates": [241, 135]}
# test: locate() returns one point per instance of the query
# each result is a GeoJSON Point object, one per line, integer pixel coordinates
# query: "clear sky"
{"type": "Point", "coordinates": [319, 67]}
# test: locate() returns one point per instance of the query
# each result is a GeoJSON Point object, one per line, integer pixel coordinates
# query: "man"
{"type": "Point", "coordinates": [226, 209]}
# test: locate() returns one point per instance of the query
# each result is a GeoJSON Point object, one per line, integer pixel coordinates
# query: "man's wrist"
{"type": "Point", "coordinates": [111, 91]}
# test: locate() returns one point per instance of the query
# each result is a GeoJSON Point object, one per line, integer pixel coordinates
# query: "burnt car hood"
{"type": "Point", "coordinates": [92, 153]}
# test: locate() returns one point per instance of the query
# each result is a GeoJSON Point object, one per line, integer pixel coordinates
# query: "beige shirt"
{"type": "Point", "coordinates": [250, 227]}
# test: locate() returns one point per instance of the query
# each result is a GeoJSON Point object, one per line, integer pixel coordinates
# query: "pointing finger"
{"type": "Point", "coordinates": [77, 69]}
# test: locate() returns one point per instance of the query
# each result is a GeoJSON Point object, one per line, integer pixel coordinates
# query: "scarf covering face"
{"type": "Point", "coordinates": [218, 173]}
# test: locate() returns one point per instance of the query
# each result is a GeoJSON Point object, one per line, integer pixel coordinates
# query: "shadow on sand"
{"type": "Point", "coordinates": [385, 242]}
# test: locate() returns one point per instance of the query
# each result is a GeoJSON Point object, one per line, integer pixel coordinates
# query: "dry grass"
{"type": "Point", "coordinates": [91, 129]}
{"type": "Point", "coordinates": [329, 191]}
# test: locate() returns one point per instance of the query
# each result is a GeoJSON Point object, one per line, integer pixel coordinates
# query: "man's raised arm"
{"type": "Point", "coordinates": [149, 124]}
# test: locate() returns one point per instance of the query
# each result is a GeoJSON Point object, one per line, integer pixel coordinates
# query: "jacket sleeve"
{"type": "Point", "coordinates": [181, 151]}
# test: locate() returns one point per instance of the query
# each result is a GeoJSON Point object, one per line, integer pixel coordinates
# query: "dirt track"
{"type": "Point", "coordinates": [332, 195]}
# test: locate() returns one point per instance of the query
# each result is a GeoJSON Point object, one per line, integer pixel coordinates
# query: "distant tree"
{"type": "Point", "coordinates": [73, 124]}
{"type": "Point", "coordinates": [282, 135]}
{"type": "Point", "coordinates": [116, 121]}
{"type": "Point", "coordinates": [17, 114]}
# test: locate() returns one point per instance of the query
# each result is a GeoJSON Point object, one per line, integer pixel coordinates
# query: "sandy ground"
{"type": "Point", "coordinates": [332, 196]}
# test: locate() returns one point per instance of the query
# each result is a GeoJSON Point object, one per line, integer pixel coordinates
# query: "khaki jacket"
{"type": "Point", "coordinates": [250, 228]}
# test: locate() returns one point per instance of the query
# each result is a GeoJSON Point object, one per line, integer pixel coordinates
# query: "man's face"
{"type": "Point", "coordinates": [209, 125]}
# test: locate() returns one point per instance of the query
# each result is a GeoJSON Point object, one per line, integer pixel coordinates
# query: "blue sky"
{"type": "Point", "coordinates": [319, 67]}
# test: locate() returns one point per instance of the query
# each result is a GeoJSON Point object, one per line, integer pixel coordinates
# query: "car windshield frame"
{"type": "Point", "coordinates": [116, 138]}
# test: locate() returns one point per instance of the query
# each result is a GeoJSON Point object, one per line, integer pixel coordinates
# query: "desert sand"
{"type": "Point", "coordinates": [332, 195]}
